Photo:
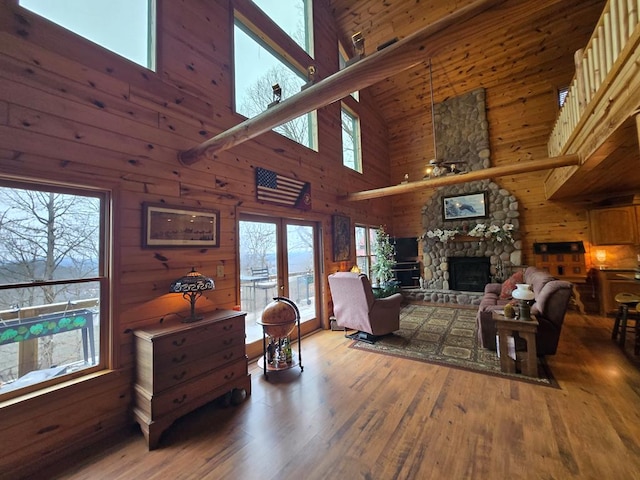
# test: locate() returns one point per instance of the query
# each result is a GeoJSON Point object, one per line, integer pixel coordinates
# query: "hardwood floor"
{"type": "Point", "coordinates": [353, 414]}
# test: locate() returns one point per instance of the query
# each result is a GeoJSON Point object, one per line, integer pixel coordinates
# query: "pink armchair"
{"type": "Point", "coordinates": [355, 307]}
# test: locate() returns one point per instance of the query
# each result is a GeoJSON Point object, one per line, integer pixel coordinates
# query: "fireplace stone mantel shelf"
{"type": "Point", "coordinates": [467, 238]}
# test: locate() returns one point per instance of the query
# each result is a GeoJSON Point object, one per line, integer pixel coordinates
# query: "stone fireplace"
{"type": "Point", "coordinates": [462, 135]}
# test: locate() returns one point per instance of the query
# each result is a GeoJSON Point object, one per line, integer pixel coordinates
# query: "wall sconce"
{"type": "Point", "coordinates": [311, 77]}
{"type": "Point", "coordinates": [358, 46]}
{"type": "Point", "coordinates": [358, 43]}
{"type": "Point", "coordinates": [191, 287]}
{"type": "Point", "coordinates": [277, 95]}
{"type": "Point", "coordinates": [601, 257]}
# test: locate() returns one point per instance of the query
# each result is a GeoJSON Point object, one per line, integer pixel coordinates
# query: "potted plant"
{"type": "Point", "coordinates": [383, 266]}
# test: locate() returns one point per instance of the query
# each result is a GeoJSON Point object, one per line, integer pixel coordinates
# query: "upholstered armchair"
{"type": "Point", "coordinates": [355, 307]}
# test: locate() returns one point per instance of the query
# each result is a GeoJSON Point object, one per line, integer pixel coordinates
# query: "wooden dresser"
{"type": "Point", "coordinates": [182, 366]}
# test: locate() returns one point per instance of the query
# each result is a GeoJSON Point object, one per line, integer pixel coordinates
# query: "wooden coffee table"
{"type": "Point", "coordinates": [526, 330]}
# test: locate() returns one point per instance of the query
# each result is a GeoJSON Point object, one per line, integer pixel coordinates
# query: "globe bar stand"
{"type": "Point", "coordinates": [276, 342]}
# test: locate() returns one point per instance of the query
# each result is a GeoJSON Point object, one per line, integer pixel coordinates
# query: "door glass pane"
{"type": "Point", "coordinates": [301, 268]}
{"type": "Point", "coordinates": [258, 271]}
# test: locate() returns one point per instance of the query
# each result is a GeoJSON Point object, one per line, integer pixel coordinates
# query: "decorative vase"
{"type": "Point", "coordinates": [524, 294]}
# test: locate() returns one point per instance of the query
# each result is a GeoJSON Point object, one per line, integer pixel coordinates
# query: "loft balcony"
{"type": "Point", "coordinates": [600, 118]}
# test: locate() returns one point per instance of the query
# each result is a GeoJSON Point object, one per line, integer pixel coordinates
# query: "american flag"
{"type": "Point", "coordinates": [274, 188]}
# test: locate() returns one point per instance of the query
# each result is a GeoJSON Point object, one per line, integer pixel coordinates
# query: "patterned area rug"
{"type": "Point", "coordinates": [446, 336]}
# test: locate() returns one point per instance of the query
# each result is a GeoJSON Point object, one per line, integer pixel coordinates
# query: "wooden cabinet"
{"type": "Point", "coordinates": [182, 366]}
{"type": "Point", "coordinates": [612, 282]}
{"type": "Point", "coordinates": [615, 225]}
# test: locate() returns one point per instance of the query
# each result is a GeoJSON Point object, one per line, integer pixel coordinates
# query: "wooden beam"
{"type": "Point", "coordinates": [514, 169]}
{"type": "Point", "coordinates": [400, 56]}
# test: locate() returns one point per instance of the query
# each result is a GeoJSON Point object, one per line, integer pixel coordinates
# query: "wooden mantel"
{"type": "Point", "coordinates": [513, 169]}
{"type": "Point", "coordinates": [400, 56]}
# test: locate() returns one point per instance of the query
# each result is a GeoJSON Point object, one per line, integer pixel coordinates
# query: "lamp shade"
{"type": "Point", "coordinates": [523, 292]}
{"type": "Point", "coordinates": [191, 287]}
{"type": "Point", "coordinates": [192, 282]}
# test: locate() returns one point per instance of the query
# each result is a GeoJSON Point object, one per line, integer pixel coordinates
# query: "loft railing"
{"type": "Point", "coordinates": [596, 65]}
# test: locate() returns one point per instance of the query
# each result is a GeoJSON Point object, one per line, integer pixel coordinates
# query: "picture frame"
{"type": "Point", "coordinates": [461, 207]}
{"type": "Point", "coordinates": [168, 226]}
{"type": "Point", "coordinates": [341, 238]}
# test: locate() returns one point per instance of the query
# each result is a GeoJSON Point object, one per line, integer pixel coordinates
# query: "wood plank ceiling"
{"type": "Point", "coordinates": [508, 44]}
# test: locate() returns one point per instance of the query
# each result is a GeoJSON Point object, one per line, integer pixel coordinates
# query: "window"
{"type": "Point", "coordinates": [293, 17]}
{"type": "Point", "coordinates": [122, 26]}
{"type": "Point", "coordinates": [342, 59]}
{"type": "Point", "coordinates": [351, 140]}
{"type": "Point", "coordinates": [259, 64]}
{"type": "Point", "coordinates": [52, 284]}
{"type": "Point", "coordinates": [365, 239]}
{"type": "Point", "coordinates": [562, 95]}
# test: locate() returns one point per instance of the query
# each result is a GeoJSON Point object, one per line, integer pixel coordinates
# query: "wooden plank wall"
{"type": "Point", "coordinates": [520, 52]}
{"type": "Point", "coordinates": [71, 112]}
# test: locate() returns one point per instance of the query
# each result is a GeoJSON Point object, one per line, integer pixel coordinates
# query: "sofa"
{"type": "Point", "coordinates": [552, 298]}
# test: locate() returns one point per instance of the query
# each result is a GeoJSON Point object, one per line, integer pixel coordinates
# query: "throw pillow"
{"type": "Point", "coordinates": [510, 283]}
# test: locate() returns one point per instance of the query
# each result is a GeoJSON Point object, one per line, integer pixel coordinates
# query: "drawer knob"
{"type": "Point", "coordinates": [226, 328]}
{"type": "Point", "coordinates": [228, 356]}
{"type": "Point", "coordinates": [227, 342]}
{"type": "Point", "coordinates": [179, 343]}
{"type": "Point", "coordinates": [178, 401]}
{"type": "Point", "coordinates": [180, 375]}
{"type": "Point", "coordinates": [229, 376]}
{"type": "Point", "coordinates": [179, 359]}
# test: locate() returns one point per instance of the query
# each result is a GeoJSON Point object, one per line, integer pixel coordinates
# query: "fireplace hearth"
{"type": "Point", "coordinates": [469, 274]}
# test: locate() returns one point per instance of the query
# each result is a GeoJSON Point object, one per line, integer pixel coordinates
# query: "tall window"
{"type": "Point", "coordinates": [122, 26]}
{"type": "Point", "coordinates": [294, 17]}
{"type": "Point", "coordinates": [53, 282]}
{"type": "Point", "coordinates": [260, 63]}
{"type": "Point", "coordinates": [351, 156]}
{"type": "Point", "coordinates": [342, 59]}
{"type": "Point", "coordinates": [365, 238]}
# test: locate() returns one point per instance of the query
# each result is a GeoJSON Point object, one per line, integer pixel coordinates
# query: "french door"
{"type": "Point", "coordinates": [278, 258]}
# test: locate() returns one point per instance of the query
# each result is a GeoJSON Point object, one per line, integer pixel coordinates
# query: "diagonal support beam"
{"type": "Point", "coordinates": [493, 172]}
{"type": "Point", "coordinates": [400, 56]}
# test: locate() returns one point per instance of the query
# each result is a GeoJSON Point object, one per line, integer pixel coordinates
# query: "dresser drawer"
{"type": "Point", "coordinates": [165, 378]}
{"type": "Point", "coordinates": [210, 332]}
{"type": "Point", "coordinates": [186, 392]}
{"type": "Point", "coordinates": [195, 351]}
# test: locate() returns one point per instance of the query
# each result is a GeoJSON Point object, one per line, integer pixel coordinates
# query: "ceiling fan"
{"type": "Point", "coordinates": [439, 167]}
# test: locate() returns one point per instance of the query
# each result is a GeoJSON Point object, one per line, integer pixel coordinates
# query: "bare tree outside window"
{"type": "Point", "coordinates": [46, 238]}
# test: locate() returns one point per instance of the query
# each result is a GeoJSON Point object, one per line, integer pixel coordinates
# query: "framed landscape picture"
{"type": "Point", "coordinates": [166, 226]}
{"type": "Point", "coordinates": [472, 205]}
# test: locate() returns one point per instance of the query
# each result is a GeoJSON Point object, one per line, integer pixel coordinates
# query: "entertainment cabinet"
{"type": "Point", "coordinates": [182, 366]}
{"type": "Point", "coordinates": [407, 273]}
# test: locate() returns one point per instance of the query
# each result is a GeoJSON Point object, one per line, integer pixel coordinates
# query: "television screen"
{"type": "Point", "coordinates": [406, 248]}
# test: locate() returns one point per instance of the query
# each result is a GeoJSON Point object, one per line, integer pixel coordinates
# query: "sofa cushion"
{"type": "Point", "coordinates": [510, 283]}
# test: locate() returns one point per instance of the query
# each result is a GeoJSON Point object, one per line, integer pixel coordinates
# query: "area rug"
{"type": "Point", "coordinates": [446, 336]}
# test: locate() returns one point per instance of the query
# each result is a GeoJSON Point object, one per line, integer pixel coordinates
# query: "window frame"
{"type": "Point", "coordinates": [368, 257]}
{"type": "Point", "coordinates": [357, 138]}
{"type": "Point", "coordinates": [152, 34]}
{"type": "Point", "coordinates": [266, 33]}
{"type": "Point", "coordinates": [104, 352]}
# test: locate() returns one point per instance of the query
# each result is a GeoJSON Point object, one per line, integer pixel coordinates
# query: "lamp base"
{"type": "Point", "coordinates": [192, 319]}
{"type": "Point", "coordinates": [525, 311]}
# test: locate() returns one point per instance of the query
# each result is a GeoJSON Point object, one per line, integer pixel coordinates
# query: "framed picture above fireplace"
{"type": "Point", "coordinates": [459, 207]}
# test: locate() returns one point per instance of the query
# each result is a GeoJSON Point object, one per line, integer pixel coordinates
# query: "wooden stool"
{"type": "Point", "coordinates": [627, 309]}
